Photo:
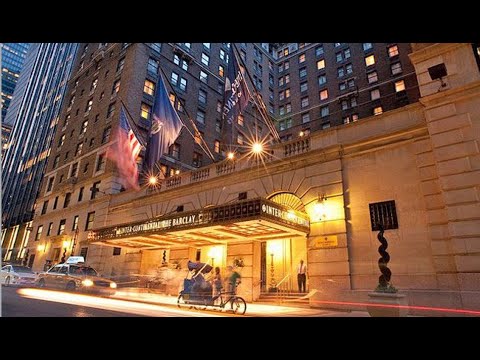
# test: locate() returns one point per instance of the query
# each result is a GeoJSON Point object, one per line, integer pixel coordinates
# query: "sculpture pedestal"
{"type": "Point", "coordinates": [392, 299]}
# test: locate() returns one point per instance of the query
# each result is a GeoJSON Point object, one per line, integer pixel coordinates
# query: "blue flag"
{"type": "Point", "coordinates": [165, 126]}
{"type": "Point", "coordinates": [236, 90]}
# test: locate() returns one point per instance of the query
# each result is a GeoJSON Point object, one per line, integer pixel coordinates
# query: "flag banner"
{"type": "Point", "coordinates": [124, 152]}
{"type": "Point", "coordinates": [165, 126]}
{"type": "Point", "coordinates": [236, 90]}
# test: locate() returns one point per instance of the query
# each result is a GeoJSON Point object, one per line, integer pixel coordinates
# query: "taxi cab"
{"type": "Point", "coordinates": [74, 275]}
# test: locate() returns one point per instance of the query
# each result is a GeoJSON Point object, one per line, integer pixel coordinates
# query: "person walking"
{"type": "Point", "coordinates": [302, 277]}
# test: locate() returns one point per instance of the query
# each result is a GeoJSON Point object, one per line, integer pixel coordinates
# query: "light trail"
{"type": "Point", "coordinates": [108, 304]}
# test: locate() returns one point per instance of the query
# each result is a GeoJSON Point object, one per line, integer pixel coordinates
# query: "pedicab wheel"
{"type": "Point", "coordinates": [239, 306]}
{"type": "Point", "coordinates": [180, 301]}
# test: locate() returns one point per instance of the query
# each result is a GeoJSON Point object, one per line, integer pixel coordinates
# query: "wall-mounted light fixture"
{"type": "Point", "coordinates": [320, 208]}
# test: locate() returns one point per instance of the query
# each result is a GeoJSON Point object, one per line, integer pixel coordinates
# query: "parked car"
{"type": "Point", "coordinates": [17, 275]}
{"type": "Point", "coordinates": [76, 277]}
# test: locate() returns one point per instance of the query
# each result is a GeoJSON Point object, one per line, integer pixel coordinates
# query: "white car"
{"type": "Point", "coordinates": [17, 275]}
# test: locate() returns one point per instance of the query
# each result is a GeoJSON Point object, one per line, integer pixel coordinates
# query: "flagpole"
{"type": "Point", "coordinates": [136, 132]}
{"type": "Point", "coordinates": [256, 99]}
{"type": "Point", "coordinates": [209, 153]}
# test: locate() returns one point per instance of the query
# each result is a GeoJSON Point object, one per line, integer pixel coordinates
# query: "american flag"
{"type": "Point", "coordinates": [124, 152]}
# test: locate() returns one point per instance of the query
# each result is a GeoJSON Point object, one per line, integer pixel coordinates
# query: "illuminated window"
{"type": "Point", "coordinates": [393, 51]}
{"type": "Point", "coordinates": [301, 58]}
{"type": "Point", "coordinates": [377, 110]}
{"type": "Point", "coordinates": [399, 86]}
{"type": "Point", "coordinates": [116, 87]}
{"type": "Point", "coordinates": [145, 111]}
{"type": "Point", "coordinates": [174, 78]}
{"type": "Point", "coordinates": [50, 229]}
{"type": "Point", "coordinates": [188, 45]}
{"type": "Point", "coordinates": [281, 81]}
{"type": "Point", "coordinates": [321, 64]}
{"type": "Point", "coordinates": [396, 68]}
{"type": "Point", "coordinates": [375, 94]}
{"type": "Point", "coordinates": [372, 77]}
{"type": "Point", "coordinates": [219, 106]}
{"type": "Point", "coordinates": [75, 223]}
{"type": "Point", "coordinates": [207, 45]}
{"type": "Point", "coordinates": [240, 120]}
{"type": "Point", "coordinates": [149, 87]}
{"type": "Point", "coordinates": [324, 94]}
{"type": "Point", "coordinates": [221, 71]}
{"type": "Point", "coordinates": [83, 130]}
{"type": "Point", "coordinates": [287, 93]}
{"type": "Point", "coordinates": [184, 65]}
{"type": "Point", "coordinates": [176, 59]}
{"type": "Point", "coordinates": [79, 148]}
{"type": "Point", "coordinates": [183, 84]}
{"type": "Point", "coordinates": [89, 106]}
{"type": "Point", "coordinates": [216, 147]}
{"type": "Point", "coordinates": [222, 54]}
{"type": "Point", "coordinates": [370, 60]}
{"type": "Point", "coordinates": [240, 139]}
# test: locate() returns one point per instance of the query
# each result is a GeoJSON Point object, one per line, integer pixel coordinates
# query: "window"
{"type": "Point", "coordinates": [45, 207]}
{"type": "Point", "coordinates": [50, 229]}
{"type": "Point", "coordinates": [354, 117]}
{"type": "Point", "coordinates": [287, 65]}
{"type": "Point", "coordinates": [156, 47]}
{"type": "Point", "coordinates": [399, 86]}
{"type": "Point", "coordinates": [206, 45]}
{"type": "Point", "coordinates": [349, 68]}
{"type": "Point", "coordinates": [202, 96]}
{"type": "Point", "coordinates": [353, 102]}
{"type": "Point", "coordinates": [96, 118]}
{"type": "Point", "coordinates": [375, 94]}
{"type": "Point", "coordinates": [205, 59]}
{"type": "Point", "coordinates": [324, 111]}
{"type": "Point", "coordinates": [240, 120]}
{"type": "Point", "coordinates": [305, 118]}
{"type": "Point", "coordinates": [203, 77]}
{"type": "Point", "coordinates": [337, 44]}
{"type": "Point", "coordinates": [175, 151]}
{"type": "Point", "coordinates": [319, 50]}
{"type": "Point", "coordinates": [281, 95]}
{"type": "Point", "coordinates": [149, 87]}
{"type": "Point", "coordinates": [102, 159]}
{"type": "Point", "coordinates": [94, 190]}
{"type": "Point", "coordinates": [303, 72]}
{"type": "Point", "coordinates": [281, 110]}
{"type": "Point", "coordinates": [218, 126]}
{"type": "Point", "coordinates": [288, 107]}
{"type": "Point", "coordinates": [322, 80]}
{"type": "Point", "coordinates": [339, 57]}
{"type": "Point", "coordinates": [176, 59]}
{"type": "Point", "coordinates": [90, 220]}
{"type": "Point", "coordinates": [117, 251]}
{"type": "Point", "coordinates": [146, 111]}
{"type": "Point", "coordinates": [61, 179]}
{"type": "Point", "coordinates": [89, 106]}
{"type": "Point", "coordinates": [367, 46]}
{"type": "Point", "coordinates": [324, 94]}
{"type": "Point", "coordinates": [347, 53]}
{"type": "Point", "coordinates": [187, 45]}
{"type": "Point", "coordinates": [67, 119]}
{"type": "Point", "coordinates": [240, 139]}
{"type": "Point", "coordinates": [184, 65]}
{"type": "Point", "coordinates": [201, 116]}
{"type": "Point", "coordinates": [183, 84]}
{"type": "Point", "coordinates": [39, 232]}
{"type": "Point", "coordinates": [396, 68]}
{"type": "Point", "coordinates": [106, 134]}
{"type": "Point", "coordinates": [301, 58]}
{"type": "Point", "coordinates": [325, 125]}
{"type": "Point", "coordinates": [56, 161]}
{"type": "Point", "coordinates": [216, 146]}
{"type": "Point", "coordinates": [342, 86]}
{"type": "Point", "coordinates": [61, 227]}
{"type": "Point", "coordinates": [377, 110]}
{"type": "Point", "coordinates": [83, 130]}
{"type": "Point", "coordinates": [321, 64]}
{"type": "Point", "coordinates": [372, 77]}
{"type": "Point", "coordinates": [66, 155]}
{"type": "Point", "coordinates": [221, 71]}
{"type": "Point", "coordinates": [174, 78]}
{"type": "Point", "coordinates": [55, 203]}
{"type": "Point", "coordinates": [84, 252]}
{"type": "Point", "coordinates": [120, 65]}
{"type": "Point", "coordinates": [75, 223]}
{"type": "Point", "coordinates": [340, 72]}
{"type": "Point", "coordinates": [383, 213]}
{"type": "Point", "coordinates": [74, 170]}
{"type": "Point", "coordinates": [287, 93]}
{"type": "Point", "coordinates": [68, 197]}
{"type": "Point", "coordinates": [370, 60]}
{"type": "Point", "coordinates": [152, 66]}
{"type": "Point", "coordinates": [61, 141]}
{"type": "Point", "coordinates": [393, 51]}
{"type": "Point", "coordinates": [304, 102]}
{"type": "Point", "coordinates": [197, 159]}
{"type": "Point", "coordinates": [94, 85]}
{"type": "Point", "coordinates": [303, 87]}
{"type": "Point", "coordinates": [111, 110]}
{"type": "Point", "coordinates": [219, 106]}
{"type": "Point", "coordinates": [80, 194]}
{"type": "Point", "coordinates": [78, 150]}
{"type": "Point", "coordinates": [222, 54]}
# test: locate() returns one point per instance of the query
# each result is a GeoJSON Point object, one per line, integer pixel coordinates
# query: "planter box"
{"type": "Point", "coordinates": [394, 300]}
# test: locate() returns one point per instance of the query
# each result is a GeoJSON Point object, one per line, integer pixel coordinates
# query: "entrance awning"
{"type": "Point", "coordinates": [257, 219]}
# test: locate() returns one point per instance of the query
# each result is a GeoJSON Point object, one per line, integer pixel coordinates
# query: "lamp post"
{"type": "Point", "coordinates": [273, 283]}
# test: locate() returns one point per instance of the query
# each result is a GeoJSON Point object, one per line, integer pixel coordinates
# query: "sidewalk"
{"type": "Point", "coordinates": [253, 309]}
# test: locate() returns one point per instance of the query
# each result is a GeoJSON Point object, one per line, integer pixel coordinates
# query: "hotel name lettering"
{"type": "Point", "coordinates": [167, 224]}
{"type": "Point", "coordinates": [285, 215]}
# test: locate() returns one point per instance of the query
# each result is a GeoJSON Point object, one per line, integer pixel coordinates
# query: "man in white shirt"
{"type": "Point", "coordinates": [302, 276]}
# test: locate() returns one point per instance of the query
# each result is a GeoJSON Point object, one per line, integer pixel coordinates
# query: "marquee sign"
{"type": "Point", "coordinates": [240, 211]}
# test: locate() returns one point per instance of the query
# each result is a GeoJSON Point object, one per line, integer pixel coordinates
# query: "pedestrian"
{"type": "Point", "coordinates": [233, 279]}
{"type": "Point", "coordinates": [302, 276]}
{"type": "Point", "coordinates": [217, 282]}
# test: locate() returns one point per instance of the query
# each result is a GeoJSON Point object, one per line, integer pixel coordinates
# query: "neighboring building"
{"type": "Point", "coordinates": [34, 111]}
{"type": "Point", "coordinates": [13, 56]}
{"type": "Point", "coordinates": [316, 197]}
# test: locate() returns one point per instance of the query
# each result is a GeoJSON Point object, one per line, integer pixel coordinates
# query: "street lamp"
{"type": "Point", "coordinates": [215, 252]}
